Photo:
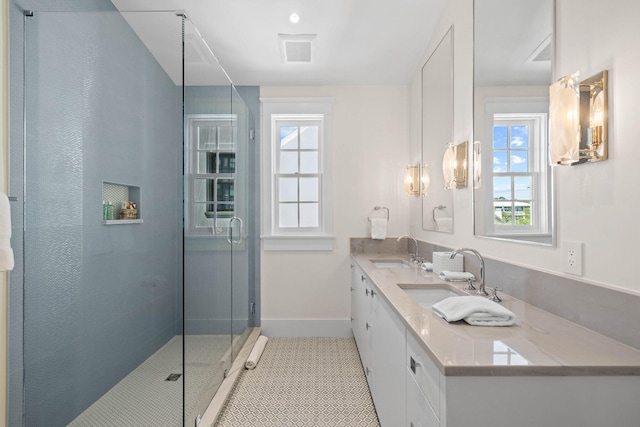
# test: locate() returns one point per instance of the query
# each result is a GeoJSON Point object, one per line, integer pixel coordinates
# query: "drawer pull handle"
{"type": "Point", "coordinates": [413, 364]}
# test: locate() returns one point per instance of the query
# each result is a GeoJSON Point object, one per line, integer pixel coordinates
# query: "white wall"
{"type": "Point", "coordinates": [596, 204]}
{"type": "Point", "coordinates": [370, 152]}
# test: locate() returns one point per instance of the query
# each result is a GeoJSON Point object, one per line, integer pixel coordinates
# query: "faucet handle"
{"type": "Point", "coordinates": [494, 294]}
{"type": "Point", "coordinates": [470, 286]}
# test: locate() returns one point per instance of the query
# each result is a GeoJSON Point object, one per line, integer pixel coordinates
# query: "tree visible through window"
{"type": "Point", "coordinates": [513, 175]}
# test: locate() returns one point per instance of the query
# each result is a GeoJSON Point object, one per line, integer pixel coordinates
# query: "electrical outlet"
{"type": "Point", "coordinates": [572, 258]}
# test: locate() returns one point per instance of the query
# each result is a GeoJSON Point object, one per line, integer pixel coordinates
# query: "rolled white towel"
{"type": "Point", "coordinates": [426, 266]}
{"type": "Point", "coordinates": [6, 253]}
{"type": "Point", "coordinates": [477, 311]}
{"type": "Point", "coordinates": [379, 228]}
{"type": "Point", "coordinates": [256, 352]}
{"type": "Point", "coordinates": [456, 276]}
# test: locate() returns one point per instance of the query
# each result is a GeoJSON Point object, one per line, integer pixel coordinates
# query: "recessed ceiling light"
{"type": "Point", "coordinates": [294, 18]}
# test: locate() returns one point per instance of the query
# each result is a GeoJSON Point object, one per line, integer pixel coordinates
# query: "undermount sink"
{"type": "Point", "coordinates": [390, 263]}
{"type": "Point", "coordinates": [427, 296]}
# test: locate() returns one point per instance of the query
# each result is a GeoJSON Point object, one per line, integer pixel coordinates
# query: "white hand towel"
{"type": "Point", "coordinates": [477, 311]}
{"type": "Point", "coordinates": [256, 352]}
{"type": "Point", "coordinates": [379, 228]}
{"type": "Point", "coordinates": [426, 266]}
{"type": "Point", "coordinates": [6, 253]}
{"type": "Point", "coordinates": [456, 276]}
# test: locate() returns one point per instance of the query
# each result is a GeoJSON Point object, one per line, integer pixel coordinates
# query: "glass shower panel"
{"type": "Point", "coordinates": [101, 339]}
{"type": "Point", "coordinates": [212, 160]}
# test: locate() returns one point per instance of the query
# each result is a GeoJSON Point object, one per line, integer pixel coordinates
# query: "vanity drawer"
{"type": "Point", "coordinates": [424, 372]}
{"type": "Point", "coordinates": [419, 410]}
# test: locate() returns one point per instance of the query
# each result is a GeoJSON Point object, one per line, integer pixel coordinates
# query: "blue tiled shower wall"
{"type": "Point", "coordinates": [98, 300]}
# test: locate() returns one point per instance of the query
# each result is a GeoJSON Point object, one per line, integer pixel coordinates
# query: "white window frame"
{"type": "Point", "coordinates": [513, 108]}
{"type": "Point", "coordinates": [273, 111]}
{"type": "Point", "coordinates": [192, 174]}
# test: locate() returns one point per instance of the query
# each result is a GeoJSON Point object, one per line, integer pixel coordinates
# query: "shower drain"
{"type": "Point", "coordinates": [173, 377]}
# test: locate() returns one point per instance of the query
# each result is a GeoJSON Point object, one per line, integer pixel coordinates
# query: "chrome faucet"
{"type": "Point", "coordinates": [481, 290]}
{"type": "Point", "coordinates": [414, 257]}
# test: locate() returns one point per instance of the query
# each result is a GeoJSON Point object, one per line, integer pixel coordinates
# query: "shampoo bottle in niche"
{"type": "Point", "coordinates": [104, 209]}
{"type": "Point", "coordinates": [110, 211]}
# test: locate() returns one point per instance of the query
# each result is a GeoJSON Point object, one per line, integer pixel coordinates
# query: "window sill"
{"type": "Point", "coordinates": [298, 243]}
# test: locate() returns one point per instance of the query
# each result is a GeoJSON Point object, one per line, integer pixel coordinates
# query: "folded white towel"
{"type": "Point", "coordinates": [426, 266]}
{"type": "Point", "coordinates": [256, 352]}
{"type": "Point", "coordinates": [477, 311]}
{"type": "Point", "coordinates": [6, 253]}
{"type": "Point", "coordinates": [456, 276]}
{"type": "Point", "coordinates": [379, 228]}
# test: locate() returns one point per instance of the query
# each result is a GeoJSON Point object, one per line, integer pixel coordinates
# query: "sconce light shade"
{"type": "Point", "coordinates": [578, 122]}
{"type": "Point", "coordinates": [426, 180]}
{"type": "Point", "coordinates": [454, 166]}
{"type": "Point", "coordinates": [564, 133]}
{"type": "Point", "coordinates": [477, 164]}
{"type": "Point", "coordinates": [412, 181]}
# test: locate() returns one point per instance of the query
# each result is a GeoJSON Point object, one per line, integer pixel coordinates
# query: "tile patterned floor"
{"type": "Point", "coordinates": [302, 382]}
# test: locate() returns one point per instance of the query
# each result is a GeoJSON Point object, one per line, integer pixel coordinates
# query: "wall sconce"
{"type": "Point", "coordinates": [426, 180]}
{"type": "Point", "coordinates": [579, 120]}
{"type": "Point", "coordinates": [454, 165]}
{"type": "Point", "coordinates": [412, 181]}
{"type": "Point", "coordinates": [477, 164]}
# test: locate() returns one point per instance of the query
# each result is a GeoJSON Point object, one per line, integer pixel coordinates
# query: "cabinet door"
{"type": "Point", "coordinates": [419, 411]}
{"type": "Point", "coordinates": [360, 315]}
{"type": "Point", "coordinates": [388, 364]}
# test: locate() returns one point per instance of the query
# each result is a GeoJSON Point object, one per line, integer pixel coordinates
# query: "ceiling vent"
{"type": "Point", "coordinates": [297, 48]}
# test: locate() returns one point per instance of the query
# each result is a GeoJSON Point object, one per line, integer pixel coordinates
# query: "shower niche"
{"type": "Point", "coordinates": [124, 201]}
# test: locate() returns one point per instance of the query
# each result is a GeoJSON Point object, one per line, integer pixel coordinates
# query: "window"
{"type": "Point", "coordinates": [297, 203]}
{"type": "Point", "coordinates": [297, 174]}
{"type": "Point", "coordinates": [518, 157]}
{"type": "Point", "coordinates": [211, 171]}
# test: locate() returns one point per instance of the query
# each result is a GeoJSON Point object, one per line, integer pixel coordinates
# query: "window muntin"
{"type": "Point", "coordinates": [297, 177]}
{"type": "Point", "coordinates": [514, 199]}
{"type": "Point", "coordinates": [211, 172]}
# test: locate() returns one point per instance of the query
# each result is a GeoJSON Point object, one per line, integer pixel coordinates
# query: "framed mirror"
{"type": "Point", "coordinates": [437, 134]}
{"type": "Point", "coordinates": [513, 63]}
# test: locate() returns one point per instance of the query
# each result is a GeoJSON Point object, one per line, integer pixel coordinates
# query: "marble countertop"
{"type": "Point", "coordinates": [540, 343]}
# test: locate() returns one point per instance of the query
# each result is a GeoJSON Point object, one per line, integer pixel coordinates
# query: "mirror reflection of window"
{"type": "Point", "coordinates": [517, 160]}
{"type": "Point", "coordinates": [513, 62]}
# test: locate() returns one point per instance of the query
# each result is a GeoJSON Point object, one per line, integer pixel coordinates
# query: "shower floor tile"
{"type": "Point", "coordinates": [143, 398]}
{"type": "Point", "coordinates": [302, 382]}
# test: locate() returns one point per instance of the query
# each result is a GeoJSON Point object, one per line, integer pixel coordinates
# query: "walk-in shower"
{"type": "Point", "coordinates": [131, 319]}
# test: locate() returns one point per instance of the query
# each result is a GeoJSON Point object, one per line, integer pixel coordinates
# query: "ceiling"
{"type": "Point", "coordinates": [513, 42]}
{"type": "Point", "coordinates": [357, 42]}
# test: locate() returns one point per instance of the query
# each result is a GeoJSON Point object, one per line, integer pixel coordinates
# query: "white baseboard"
{"type": "Point", "coordinates": [306, 327]}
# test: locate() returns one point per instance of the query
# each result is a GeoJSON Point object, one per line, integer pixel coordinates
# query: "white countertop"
{"type": "Point", "coordinates": [540, 343]}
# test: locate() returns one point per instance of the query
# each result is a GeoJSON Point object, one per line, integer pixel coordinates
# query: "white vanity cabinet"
{"type": "Point", "coordinates": [380, 337]}
{"type": "Point", "coordinates": [545, 371]}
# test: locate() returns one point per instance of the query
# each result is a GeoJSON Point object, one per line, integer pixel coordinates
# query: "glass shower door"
{"type": "Point", "coordinates": [212, 152]}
